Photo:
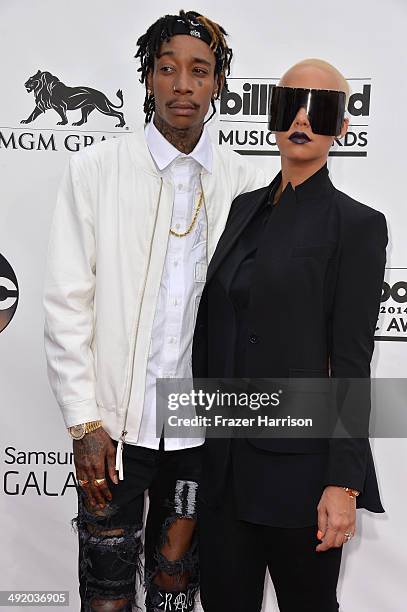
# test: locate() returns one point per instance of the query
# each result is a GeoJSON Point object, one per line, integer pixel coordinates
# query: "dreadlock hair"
{"type": "Point", "coordinates": [162, 30]}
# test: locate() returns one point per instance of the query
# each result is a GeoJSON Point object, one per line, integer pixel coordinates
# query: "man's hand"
{"type": "Point", "coordinates": [336, 516]}
{"type": "Point", "coordinates": [90, 455]}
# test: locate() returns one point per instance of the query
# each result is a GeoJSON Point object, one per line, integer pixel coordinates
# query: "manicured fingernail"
{"type": "Point", "coordinates": [319, 534]}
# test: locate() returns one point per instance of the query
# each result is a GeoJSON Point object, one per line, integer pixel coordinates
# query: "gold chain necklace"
{"type": "Point", "coordinates": [194, 218]}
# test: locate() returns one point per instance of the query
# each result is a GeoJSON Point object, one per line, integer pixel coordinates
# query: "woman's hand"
{"type": "Point", "coordinates": [336, 517]}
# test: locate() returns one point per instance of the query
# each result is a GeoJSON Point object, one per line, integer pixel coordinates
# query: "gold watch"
{"type": "Point", "coordinates": [78, 431]}
{"type": "Point", "coordinates": [351, 492]}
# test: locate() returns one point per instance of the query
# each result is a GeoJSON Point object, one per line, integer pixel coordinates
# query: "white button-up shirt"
{"type": "Point", "coordinates": [182, 280]}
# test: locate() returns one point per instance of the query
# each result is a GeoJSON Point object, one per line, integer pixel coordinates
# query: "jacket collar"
{"type": "Point", "coordinates": [314, 187]}
{"type": "Point", "coordinates": [239, 218]}
{"type": "Point", "coordinates": [283, 217]}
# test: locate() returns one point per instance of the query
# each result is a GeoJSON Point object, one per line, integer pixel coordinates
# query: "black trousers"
{"type": "Point", "coordinates": [109, 562]}
{"type": "Point", "coordinates": [235, 555]}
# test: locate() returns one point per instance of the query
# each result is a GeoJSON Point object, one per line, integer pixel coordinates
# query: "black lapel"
{"type": "Point", "coordinates": [241, 213]}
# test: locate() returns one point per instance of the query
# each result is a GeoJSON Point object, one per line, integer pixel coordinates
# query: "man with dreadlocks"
{"type": "Point", "coordinates": [136, 223]}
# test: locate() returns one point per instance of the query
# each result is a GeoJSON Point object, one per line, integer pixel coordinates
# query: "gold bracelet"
{"type": "Point", "coordinates": [92, 425]}
{"type": "Point", "coordinates": [79, 431]}
{"type": "Point", "coordinates": [351, 492]}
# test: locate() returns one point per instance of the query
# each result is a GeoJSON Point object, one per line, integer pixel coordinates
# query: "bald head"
{"type": "Point", "coordinates": [315, 74]}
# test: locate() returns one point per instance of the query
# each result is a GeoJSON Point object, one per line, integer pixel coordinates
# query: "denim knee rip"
{"type": "Point", "coordinates": [108, 564]}
{"type": "Point", "coordinates": [182, 507]}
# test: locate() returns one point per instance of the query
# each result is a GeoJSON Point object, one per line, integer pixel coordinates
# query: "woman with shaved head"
{"type": "Point", "coordinates": [292, 292]}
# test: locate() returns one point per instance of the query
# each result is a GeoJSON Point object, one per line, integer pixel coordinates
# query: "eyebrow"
{"type": "Point", "coordinates": [200, 60]}
{"type": "Point", "coordinates": [164, 53]}
{"type": "Point", "coordinates": [195, 60]}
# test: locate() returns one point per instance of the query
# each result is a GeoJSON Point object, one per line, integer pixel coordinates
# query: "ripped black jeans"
{"type": "Point", "coordinates": [110, 540]}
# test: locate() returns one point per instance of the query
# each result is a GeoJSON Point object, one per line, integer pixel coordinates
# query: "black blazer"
{"type": "Point", "coordinates": [314, 302]}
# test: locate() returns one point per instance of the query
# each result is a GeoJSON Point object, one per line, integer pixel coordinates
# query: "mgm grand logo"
{"type": "Point", "coordinates": [50, 93]}
{"type": "Point", "coordinates": [392, 320]}
{"type": "Point", "coordinates": [53, 99]}
{"type": "Point", "coordinates": [244, 118]}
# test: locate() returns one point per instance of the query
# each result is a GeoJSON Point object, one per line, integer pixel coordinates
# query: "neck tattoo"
{"type": "Point", "coordinates": [183, 140]}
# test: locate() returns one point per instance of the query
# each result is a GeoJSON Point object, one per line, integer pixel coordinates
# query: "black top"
{"type": "Point", "coordinates": [296, 297]}
{"type": "Point", "coordinates": [235, 275]}
{"type": "Point", "coordinates": [242, 260]}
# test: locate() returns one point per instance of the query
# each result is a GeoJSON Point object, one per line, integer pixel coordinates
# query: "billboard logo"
{"type": "Point", "coordinates": [392, 321]}
{"type": "Point", "coordinates": [253, 99]}
{"type": "Point", "coordinates": [244, 118]}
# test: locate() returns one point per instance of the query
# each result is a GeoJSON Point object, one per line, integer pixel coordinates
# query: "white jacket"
{"type": "Point", "coordinates": [106, 254]}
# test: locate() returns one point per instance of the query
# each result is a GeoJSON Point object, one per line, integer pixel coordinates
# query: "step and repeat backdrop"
{"type": "Point", "coordinates": [92, 44]}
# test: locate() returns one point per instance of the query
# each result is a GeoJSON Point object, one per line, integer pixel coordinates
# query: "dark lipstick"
{"type": "Point", "coordinates": [299, 138]}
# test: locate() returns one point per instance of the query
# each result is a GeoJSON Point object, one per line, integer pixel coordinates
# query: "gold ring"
{"type": "Point", "coordinates": [82, 483]}
{"type": "Point", "coordinates": [348, 536]}
{"type": "Point", "coordinates": [98, 481]}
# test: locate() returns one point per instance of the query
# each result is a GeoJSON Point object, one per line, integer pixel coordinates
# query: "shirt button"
{"type": "Point", "coordinates": [175, 263]}
{"type": "Point", "coordinates": [180, 186]}
{"type": "Point", "coordinates": [253, 338]}
{"type": "Point", "coordinates": [177, 226]}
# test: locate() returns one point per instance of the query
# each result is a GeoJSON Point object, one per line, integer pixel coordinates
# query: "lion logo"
{"type": "Point", "coordinates": [50, 92]}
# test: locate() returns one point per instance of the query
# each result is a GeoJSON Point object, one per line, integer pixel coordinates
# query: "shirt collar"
{"type": "Point", "coordinates": [312, 188]}
{"type": "Point", "coordinates": [164, 153]}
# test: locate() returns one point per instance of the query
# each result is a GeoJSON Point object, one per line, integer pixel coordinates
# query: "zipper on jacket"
{"type": "Point", "coordinates": [207, 222]}
{"type": "Point", "coordinates": [119, 449]}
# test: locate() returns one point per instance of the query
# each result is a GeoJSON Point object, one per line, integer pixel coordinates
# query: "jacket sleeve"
{"type": "Point", "coordinates": [355, 312]}
{"type": "Point", "coordinates": [244, 175]}
{"type": "Point", "coordinates": [69, 297]}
